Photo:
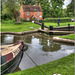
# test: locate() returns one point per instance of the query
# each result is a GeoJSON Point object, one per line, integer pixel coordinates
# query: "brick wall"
{"type": "Point", "coordinates": [25, 16]}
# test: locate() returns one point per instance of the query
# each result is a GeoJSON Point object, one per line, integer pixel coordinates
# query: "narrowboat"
{"type": "Point", "coordinates": [11, 56]}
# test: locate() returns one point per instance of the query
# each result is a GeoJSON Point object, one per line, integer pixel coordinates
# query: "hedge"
{"type": "Point", "coordinates": [23, 20]}
{"type": "Point", "coordinates": [54, 20]}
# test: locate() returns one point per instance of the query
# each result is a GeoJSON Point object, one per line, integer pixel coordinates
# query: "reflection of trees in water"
{"type": "Point", "coordinates": [28, 39]}
{"type": "Point", "coordinates": [49, 45]}
{"type": "Point", "coordinates": [13, 39]}
{"type": "Point", "coordinates": [18, 38]}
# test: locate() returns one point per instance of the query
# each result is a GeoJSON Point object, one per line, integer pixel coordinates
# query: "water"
{"type": "Point", "coordinates": [41, 48]}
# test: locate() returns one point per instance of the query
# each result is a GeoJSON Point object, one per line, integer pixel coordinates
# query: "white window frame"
{"type": "Point", "coordinates": [38, 13]}
{"type": "Point", "coordinates": [28, 19]}
{"type": "Point", "coordinates": [28, 13]}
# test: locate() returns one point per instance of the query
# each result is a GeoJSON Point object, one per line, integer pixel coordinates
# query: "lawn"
{"type": "Point", "coordinates": [56, 25]}
{"type": "Point", "coordinates": [25, 26]}
{"type": "Point", "coordinates": [71, 36]}
{"type": "Point", "coordinates": [63, 66]}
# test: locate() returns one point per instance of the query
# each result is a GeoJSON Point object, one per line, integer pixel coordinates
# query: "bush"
{"type": "Point", "coordinates": [6, 17]}
{"type": "Point", "coordinates": [23, 20]}
{"type": "Point", "coordinates": [54, 20]}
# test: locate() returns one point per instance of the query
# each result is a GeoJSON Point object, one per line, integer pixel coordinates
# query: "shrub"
{"type": "Point", "coordinates": [54, 20]}
{"type": "Point", "coordinates": [23, 20]}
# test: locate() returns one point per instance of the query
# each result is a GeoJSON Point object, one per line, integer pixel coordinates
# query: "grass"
{"type": "Point", "coordinates": [18, 27]}
{"type": "Point", "coordinates": [63, 66]}
{"type": "Point", "coordinates": [71, 36]}
{"type": "Point", "coordinates": [56, 25]}
{"type": "Point", "coordinates": [25, 26]}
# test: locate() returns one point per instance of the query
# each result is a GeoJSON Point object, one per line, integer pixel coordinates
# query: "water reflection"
{"type": "Point", "coordinates": [41, 48]}
{"type": "Point", "coordinates": [7, 39]}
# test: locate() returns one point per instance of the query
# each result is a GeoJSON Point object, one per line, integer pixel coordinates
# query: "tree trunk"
{"type": "Point", "coordinates": [17, 17]}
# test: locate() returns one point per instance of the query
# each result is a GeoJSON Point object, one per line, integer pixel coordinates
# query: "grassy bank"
{"type": "Point", "coordinates": [56, 25]}
{"type": "Point", "coordinates": [71, 36]}
{"type": "Point", "coordinates": [63, 66]}
{"type": "Point", "coordinates": [25, 26]}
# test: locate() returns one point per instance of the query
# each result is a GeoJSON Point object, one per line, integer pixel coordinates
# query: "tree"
{"type": "Point", "coordinates": [29, 2]}
{"type": "Point", "coordinates": [45, 5]}
{"type": "Point", "coordinates": [12, 7]}
{"type": "Point", "coordinates": [56, 8]}
{"type": "Point", "coordinates": [70, 9]}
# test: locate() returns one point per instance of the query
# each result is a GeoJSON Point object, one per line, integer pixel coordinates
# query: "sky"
{"type": "Point", "coordinates": [66, 2]}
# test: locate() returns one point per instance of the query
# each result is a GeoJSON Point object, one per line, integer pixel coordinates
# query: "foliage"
{"type": "Point", "coordinates": [23, 20]}
{"type": "Point", "coordinates": [29, 2]}
{"type": "Point", "coordinates": [71, 36]}
{"type": "Point", "coordinates": [70, 9]}
{"type": "Point", "coordinates": [11, 7]}
{"type": "Point", "coordinates": [56, 8]}
{"type": "Point", "coordinates": [63, 66]}
{"type": "Point", "coordinates": [6, 17]}
{"type": "Point", "coordinates": [62, 20]}
{"type": "Point", "coordinates": [45, 5]}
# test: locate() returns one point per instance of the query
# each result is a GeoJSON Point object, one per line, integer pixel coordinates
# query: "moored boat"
{"type": "Point", "coordinates": [11, 56]}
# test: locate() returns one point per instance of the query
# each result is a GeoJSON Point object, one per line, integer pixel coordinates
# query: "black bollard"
{"type": "Point", "coordinates": [68, 27]}
{"type": "Point", "coordinates": [42, 26]}
{"type": "Point", "coordinates": [50, 27]}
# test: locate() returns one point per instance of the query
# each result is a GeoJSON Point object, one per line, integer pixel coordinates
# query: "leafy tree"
{"type": "Point", "coordinates": [29, 2]}
{"type": "Point", "coordinates": [56, 8]}
{"type": "Point", "coordinates": [12, 7]}
{"type": "Point", "coordinates": [45, 5]}
{"type": "Point", "coordinates": [70, 9]}
{"type": "Point", "coordinates": [65, 12]}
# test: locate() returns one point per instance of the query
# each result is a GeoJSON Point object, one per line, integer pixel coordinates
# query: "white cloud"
{"type": "Point", "coordinates": [66, 2]}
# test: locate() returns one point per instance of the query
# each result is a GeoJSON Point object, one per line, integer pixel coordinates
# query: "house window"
{"type": "Point", "coordinates": [38, 13]}
{"type": "Point", "coordinates": [28, 13]}
{"type": "Point", "coordinates": [38, 19]}
{"type": "Point", "coordinates": [28, 19]}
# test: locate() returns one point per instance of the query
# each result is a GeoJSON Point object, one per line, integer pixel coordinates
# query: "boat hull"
{"type": "Point", "coordinates": [12, 65]}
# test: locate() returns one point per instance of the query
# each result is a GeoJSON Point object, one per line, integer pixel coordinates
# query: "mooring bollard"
{"type": "Point", "coordinates": [42, 26]}
{"type": "Point", "coordinates": [68, 27]}
{"type": "Point", "coordinates": [50, 27]}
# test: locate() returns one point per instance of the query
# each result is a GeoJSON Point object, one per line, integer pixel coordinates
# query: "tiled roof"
{"type": "Point", "coordinates": [31, 8]}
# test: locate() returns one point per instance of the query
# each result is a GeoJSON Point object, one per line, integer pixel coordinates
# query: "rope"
{"type": "Point", "coordinates": [35, 64]}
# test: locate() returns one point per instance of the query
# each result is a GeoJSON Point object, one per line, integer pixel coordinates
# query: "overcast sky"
{"type": "Point", "coordinates": [66, 2]}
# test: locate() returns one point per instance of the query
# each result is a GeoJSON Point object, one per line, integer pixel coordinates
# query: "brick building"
{"type": "Point", "coordinates": [31, 12]}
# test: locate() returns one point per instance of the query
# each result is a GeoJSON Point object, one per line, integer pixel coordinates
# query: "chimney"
{"type": "Point", "coordinates": [21, 3]}
{"type": "Point", "coordinates": [39, 5]}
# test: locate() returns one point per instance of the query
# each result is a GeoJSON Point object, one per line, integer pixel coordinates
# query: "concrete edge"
{"type": "Point", "coordinates": [63, 40]}
{"type": "Point", "coordinates": [19, 33]}
{"type": "Point", "coordinates": [39, 30]}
